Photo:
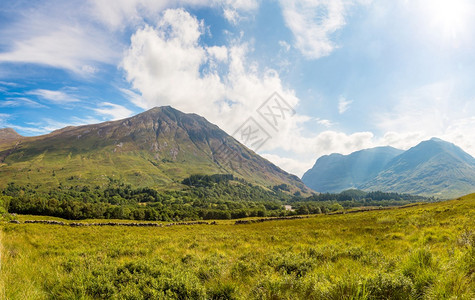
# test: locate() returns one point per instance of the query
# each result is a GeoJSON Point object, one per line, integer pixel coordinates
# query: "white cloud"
{"type": "Point", "coordinates": [115, 111]}
{"type": "Point", "coordinates": [28, 130]}
{"type": "Point", "coordinates": [135, 98]}
{"type": "Point", "coordinates": [328, 142]}
{"type": "Point", "coordinates": [4, 123]}
{"type": "Point", "coordinates": [47, 125]}
{"type": "Point", "coordinates": [233, 10]}
{"type": "Point", "coordinates": [164, 63]}
{"type": "Point", "coordinates": [304, 151]}
{"type": "Point", "coordinates": [293, 166]}
{"type": "Point", "coordinates": [241, 5]}
{"type": "Point", "coordinates": [343, 104]}
{"type": "Point", "coordinates": [134, 12]}
{"type": "Point", "coordinates": [312, 24]}
{"type": "Point", "coordinates": [57, 97]}
{"type": "Point", "coordinates": [402, 140]}
{"type": "Point", "coordinates": [60, 36]}
{"type": "Point", "coordinates": [231, 15]}
{"type": "Point", "coordinates": [4, 118]}
{"type": "Point", "coordinates": [10, 84]}
{"type": "Point", "coordinates": [220, 53]}
{"type": "Point", "coordinates": [324, 122]}
{"type": "Point", "coordinates": [284, 45]}
{"type": "Point", "coordinates": [87, 69]}
{"type": "Point", "coordinates": [461, 133]}
{"type": "Point", "coordinates": [20, 102]}
{"type": "Point", "coordinates": [80, 36]}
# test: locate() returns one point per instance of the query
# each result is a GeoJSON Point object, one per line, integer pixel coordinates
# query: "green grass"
{"type": "Point", "coordinates": [419, 252]}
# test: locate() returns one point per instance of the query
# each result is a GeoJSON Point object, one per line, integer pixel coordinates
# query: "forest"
{"type": "Point", "coordinates": [203, 197]}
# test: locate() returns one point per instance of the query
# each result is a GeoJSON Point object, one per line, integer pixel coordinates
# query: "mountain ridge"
{"type": "Point", "coordinates": [158, 147]}
{"type": "Point", "coordinates": [8, 134]}
{"type": "Point", "coordinates": [343, 172]}
{"type": "Point", "coordinates": [431, 168]}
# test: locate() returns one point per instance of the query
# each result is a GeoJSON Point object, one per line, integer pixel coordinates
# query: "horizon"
{"type": "Point", "coordinates": [347, 76]}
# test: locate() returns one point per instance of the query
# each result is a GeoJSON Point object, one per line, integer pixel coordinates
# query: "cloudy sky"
{"type": "Point", "coordinates": [348, 74]}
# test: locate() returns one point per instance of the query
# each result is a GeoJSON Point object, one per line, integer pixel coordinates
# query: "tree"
{"type": "Point", "coordinates": [4, 203]}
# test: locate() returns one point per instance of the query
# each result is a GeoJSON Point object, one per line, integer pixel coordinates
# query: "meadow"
{"type": "Point", "coordinates": [424, 251]}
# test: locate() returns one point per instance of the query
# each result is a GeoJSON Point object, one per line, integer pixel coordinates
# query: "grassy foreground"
{"type": "Point", "coordinates": [419, 252]}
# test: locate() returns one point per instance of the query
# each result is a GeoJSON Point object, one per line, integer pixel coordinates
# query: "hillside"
{"type": "Point", "coordinates": [336, 172]}
{"type": "Point", "coordinates": [433, 167]}
{"type": "Point", "coordinates": [418, 252]}
{"type": "Point", "coordinates": [157, 148]}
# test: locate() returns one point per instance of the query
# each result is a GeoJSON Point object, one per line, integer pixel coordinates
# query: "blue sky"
{"type": "Point", "coordinates": [357, 73]}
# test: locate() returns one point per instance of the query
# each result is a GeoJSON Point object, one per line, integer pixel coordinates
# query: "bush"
{"type": "Point", "coordinates": [292, 264]}
{"type": "Point", "coordinates": [389, 286]}
{"type": "Point", "coordinates": [4, 204]}
{"type": "Point", "coordinates": [224, 291]}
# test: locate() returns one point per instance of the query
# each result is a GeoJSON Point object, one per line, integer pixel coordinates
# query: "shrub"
{"type": "Point", "coordinates": [224, 291]}
{"type": "Point", "coordinates": [389, 286]}
{"type": "Point", "coordinates": [291, 263]}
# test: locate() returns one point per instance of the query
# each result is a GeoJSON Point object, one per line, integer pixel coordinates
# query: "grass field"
{"type": "Point", "coordinates": [419, 252]}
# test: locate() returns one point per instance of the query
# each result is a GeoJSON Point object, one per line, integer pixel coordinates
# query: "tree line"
{"type": "Point", "coordinates": [205, 197]}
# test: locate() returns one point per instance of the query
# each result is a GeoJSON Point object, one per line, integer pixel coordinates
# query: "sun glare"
{"type": "Point", "coordinates": [449, 17]}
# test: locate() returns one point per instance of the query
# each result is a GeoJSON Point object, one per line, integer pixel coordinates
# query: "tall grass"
{"type": "Point", "coordinates": [423, 252]}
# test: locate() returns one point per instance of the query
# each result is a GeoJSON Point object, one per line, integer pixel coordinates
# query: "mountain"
{"type": "Point", "coordinates": [433, 167]}
{"type": "Point", "coordinates": [157, 148]}
{"type": "Point", "coordinates": [8, 134]}
{"type": "Point", "coordinates": [336, 172]}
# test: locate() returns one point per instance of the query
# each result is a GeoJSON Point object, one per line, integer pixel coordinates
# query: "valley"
{"type": "Point", "coordinates": [149, 207]}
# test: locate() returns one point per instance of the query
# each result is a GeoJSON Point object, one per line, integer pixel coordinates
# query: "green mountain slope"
{"type": "Point", "coordinates": [157, 148]}
{"type": "Point", "coordinates": [433, 167]}
{"type": "Point", "coordinates": [336, 172]}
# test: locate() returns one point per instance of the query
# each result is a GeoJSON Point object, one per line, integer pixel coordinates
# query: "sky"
{"type": "Point", "coordinates": [306, 78]}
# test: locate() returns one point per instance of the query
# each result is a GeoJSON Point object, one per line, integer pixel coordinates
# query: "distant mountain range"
{"type": "Point", "coordinates": [336, 172]}
{"type": "Point", "coordinates": [432, 168]}
{"type": "Point", "coordinates": [157, 148]}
